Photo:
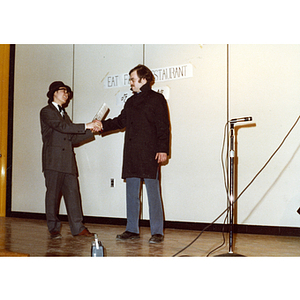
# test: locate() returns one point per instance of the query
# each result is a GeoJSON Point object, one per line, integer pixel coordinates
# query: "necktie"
{"type": "Point", "coordinates": [61, 110]}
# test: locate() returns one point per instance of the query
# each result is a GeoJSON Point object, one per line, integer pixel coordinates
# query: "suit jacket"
{"type": "Point", "coordinates": [59, 137]}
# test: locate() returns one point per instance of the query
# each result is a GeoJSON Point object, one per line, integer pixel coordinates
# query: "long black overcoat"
{"type": "Point", "coordinates": [146, 118]}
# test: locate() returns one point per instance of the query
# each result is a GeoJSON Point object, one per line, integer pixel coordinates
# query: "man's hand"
{"type": "Point", "coordinates": [161, 157]}
{"type": "Point", "coordinates": [94, 126]}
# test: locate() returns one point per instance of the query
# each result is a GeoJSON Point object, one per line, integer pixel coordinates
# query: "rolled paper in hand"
{"type": "Point", "coordinates": [101, 112]}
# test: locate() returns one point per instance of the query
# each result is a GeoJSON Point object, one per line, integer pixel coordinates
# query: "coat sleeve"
{"type": "Point", "coordinates": [118, 122]}
{"type": "Point", "coordinates": [77, 139]}
{"type": "Point", "coordinates": [162, 122]}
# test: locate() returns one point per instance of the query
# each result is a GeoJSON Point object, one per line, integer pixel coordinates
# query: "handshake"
{"type": "Point", "coordinates": [94, 126]}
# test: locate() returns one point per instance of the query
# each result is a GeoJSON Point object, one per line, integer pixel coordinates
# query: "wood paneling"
{"type": "Point", "coordinates": [4, 84]}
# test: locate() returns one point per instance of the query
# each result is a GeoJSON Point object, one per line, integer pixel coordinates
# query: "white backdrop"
{"type": "Point", "coordinates": [264, 83]}
{"type": "Point", "coordinates": [268, 89]}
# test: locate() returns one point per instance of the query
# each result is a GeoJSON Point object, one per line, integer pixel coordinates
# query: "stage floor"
{"type": "Point", "coordinates": [27, 237]}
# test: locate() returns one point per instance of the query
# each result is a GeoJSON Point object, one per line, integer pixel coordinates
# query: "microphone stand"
{"type": "Point", "coordinates": [231, 193]}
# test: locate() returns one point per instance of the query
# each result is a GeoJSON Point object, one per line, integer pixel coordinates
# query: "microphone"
{"type": "Point", "coordinates": [244, 119]}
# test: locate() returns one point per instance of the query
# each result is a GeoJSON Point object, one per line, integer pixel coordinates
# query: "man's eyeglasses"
{"type": "Point", "coordinates": [63, 89]}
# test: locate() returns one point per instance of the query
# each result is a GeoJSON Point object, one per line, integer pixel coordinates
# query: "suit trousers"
{"type": "Point", "coordinates": [60, 184]}
{"type": "Point", "coordinates": [133, 186]}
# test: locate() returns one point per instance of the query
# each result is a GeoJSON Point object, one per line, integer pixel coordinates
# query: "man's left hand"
{"type": "Point", "coordinates": [161, 157]}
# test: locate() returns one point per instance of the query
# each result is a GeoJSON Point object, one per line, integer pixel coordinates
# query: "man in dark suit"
{"type": "Point", "coordinates": [60, 135]}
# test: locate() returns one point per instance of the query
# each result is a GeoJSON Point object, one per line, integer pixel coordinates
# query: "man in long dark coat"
{"type": "Point", "coordinates": [146, 118]}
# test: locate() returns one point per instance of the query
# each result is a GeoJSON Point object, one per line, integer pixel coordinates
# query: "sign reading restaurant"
{"type": "Point", "coordinates": [160, 74]}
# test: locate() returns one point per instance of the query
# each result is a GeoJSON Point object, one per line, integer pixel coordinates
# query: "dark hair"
{"type": "Point", "coordinates": [144, 72]}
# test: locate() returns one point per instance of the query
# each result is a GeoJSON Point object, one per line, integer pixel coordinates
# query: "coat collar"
{"type": "Point", "coordinates": [146, 87]}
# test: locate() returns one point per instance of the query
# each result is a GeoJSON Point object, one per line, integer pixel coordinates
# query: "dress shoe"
{"type": "Point", "coordinates": [126, 235]}
{"type": "Point", "coordinates": [156, 238]}
{"type": "Point", "coordinates": [85, 232]}
{"type": "Point", "coordinates": [54, 235]}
